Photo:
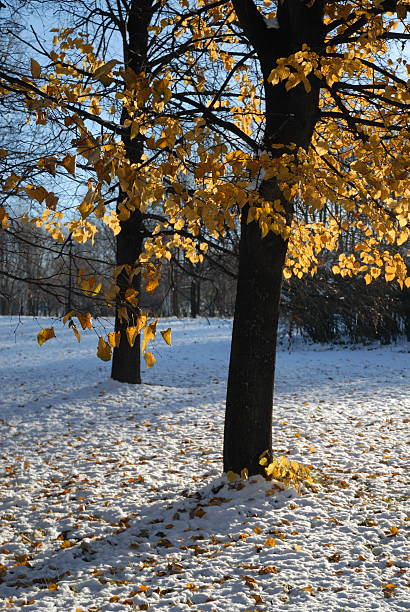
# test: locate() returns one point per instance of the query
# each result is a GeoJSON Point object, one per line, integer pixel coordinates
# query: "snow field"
{"type": "Point", "coordinates": [111, 496]}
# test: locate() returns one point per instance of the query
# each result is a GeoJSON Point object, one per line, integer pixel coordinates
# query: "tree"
{"type": "Point", "coordinates": [239, 113]}
{"type": "Point", "coordinates": [322, 41]}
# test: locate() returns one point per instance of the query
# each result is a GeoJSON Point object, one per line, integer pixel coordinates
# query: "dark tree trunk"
{"type": "Point", "coordinates": [290, 118]}
{"type": "Point", "coordinates": [248, 421]}
{"type": "Point", "coordinates": [174, 291]}
{"type": "Point", "coordinates": [194, 297]}
{"type": "Point", "coordinates": [126, 363]}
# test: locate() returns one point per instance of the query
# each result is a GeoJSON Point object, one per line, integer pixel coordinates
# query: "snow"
{"type": "Point", "coordinates": [111, 495]}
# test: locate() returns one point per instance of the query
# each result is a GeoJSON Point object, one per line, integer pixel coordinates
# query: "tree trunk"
{"type": "Point", "coordinates": [290, 118]}
{"type": "Point", "coordinates": [194, 292]}
{"type": "Point", "coordinates": [174, 291]}
{"type": "Point", "coordinates": [126, 363]}
{"type": "Point", "coordinates": [248, 421]}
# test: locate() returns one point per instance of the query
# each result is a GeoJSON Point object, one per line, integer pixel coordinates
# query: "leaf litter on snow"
{"type": "Point", "coordinates": [111, 496]}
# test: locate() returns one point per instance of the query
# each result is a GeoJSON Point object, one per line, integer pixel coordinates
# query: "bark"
{"type": "Point", "coordinates": [126, 363]}
{"type": "Point", "coordinates": [290, 118]}
{"type": "Point", "coordinates": [174, 291]}
{"type": "Point", "coordinates": [195, 297]}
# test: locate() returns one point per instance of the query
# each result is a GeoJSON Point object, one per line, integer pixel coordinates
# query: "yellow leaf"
{"type": "Point", "coordinates": [407, 282]}
{"type": "Point", "coordinates": [114, 338]}
{"type": "Point", "coordinates": [104, 70]}
{"type": "Point", "coordinates": [150, 331]}
{"type": "Point", "coordinates": [104, 350]}
{"type": "Point", "coordinates": [321, 147]}
{"type": "Point", "coordinates": [131, 296]}
{"type": "Point", "coordinates": [287, 273]}
{"type": "Point", "coordinates": [141, 322]}
{"type": "Point", "coordinates": [35, 69]}
{"type": "Point", "coordinates": [75, 331]}
{"type": "Point", "coordinates": [232, 476]}
{"type": "Point", "coordinates": [167, 336]}
{"type": "Point", "coordinates": [85, 320]}
{"type": "Point", "coordinates": [394, 530]}
{"type": "Point", "coordinates": [257, 529]}
{"type": "Point", "coordinates": [132, 333]}
{"type": "Point", "coordinates": [67, 316]}
{"type": "Point", "coordinates": [69, 163]}
{"type": "Point", "coordinates": [36, 193]}
{"type": "Point", "coordinates": [45, 334]}
{"type": "Point", "coordinates": [270, 542]}
{"type": "Point", "coordinates": [66, 544]}
{"type": "Point", "coordinates": [151, 285]}
{"type": "Point", "coordinates": [244, 474]}
{"type": "Point", "coordinates": [52, 587]}
{"type": "Point", "coordinates": [3, 218]}
{"type": "Point", "coordinates": [149, 359]}
{"type": "Point", "coordinates": [85, 208]}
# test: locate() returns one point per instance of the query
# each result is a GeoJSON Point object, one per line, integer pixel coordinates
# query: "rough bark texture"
{"type": "Point", "coordinates": [126, 363]}
{"type": "Point", "coordinates": [290, 118]}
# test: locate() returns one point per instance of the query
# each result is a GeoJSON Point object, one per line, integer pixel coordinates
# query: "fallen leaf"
{"type": "Point", "coordinates": [270, 542]}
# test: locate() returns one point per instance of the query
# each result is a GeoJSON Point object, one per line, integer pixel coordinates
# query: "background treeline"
{"type": "Point", "coordinates": [41, 278]}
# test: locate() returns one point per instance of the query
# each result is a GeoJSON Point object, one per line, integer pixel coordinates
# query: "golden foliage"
{"type": "Point", "coordinates": [291, 473]}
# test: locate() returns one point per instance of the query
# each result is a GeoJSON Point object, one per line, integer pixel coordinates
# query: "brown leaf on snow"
{"type": "Point", "coordinates": [335, 558]}
{"type": "Point", "coordinates": [164, 542]}
{"type": "Point", "coordinates": [270, 542]}
{"type": "Point", "coordinates": [270, 569]}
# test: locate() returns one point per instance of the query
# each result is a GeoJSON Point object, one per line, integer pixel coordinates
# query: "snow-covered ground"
{"type": "Point", "coordinates": [111, 495]}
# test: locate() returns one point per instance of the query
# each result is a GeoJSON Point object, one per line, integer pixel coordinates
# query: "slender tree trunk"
{"type": "Point", "coordinates": [126, 363]}
{"type": "Point", "coordinates": [174, 291]}
{"type": "Point", "coordinates": [194, 298]}
{"type": "Point", "coordinates": [290, 118]}
{"type": "Point", "coordinates": [198, 298]}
